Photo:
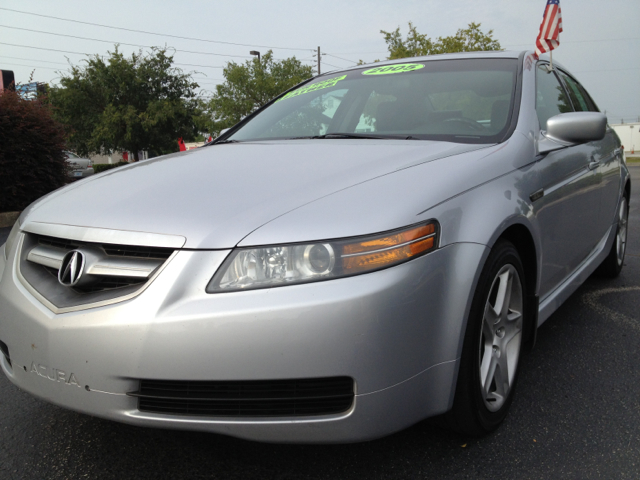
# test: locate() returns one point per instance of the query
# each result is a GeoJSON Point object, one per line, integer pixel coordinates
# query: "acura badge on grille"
{"type": "Point", "coordinates": [72, 268]}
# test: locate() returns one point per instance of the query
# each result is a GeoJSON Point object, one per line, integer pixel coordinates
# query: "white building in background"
{"type": "Point", "coordinates": [192, 145]}
{"type": "Point", "coordinates": [116, 157]}
{"type": "Point", "coordinates": [629, 134]}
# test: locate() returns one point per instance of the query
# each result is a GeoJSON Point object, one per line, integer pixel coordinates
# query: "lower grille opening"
{"type": "Point", "coordinates": [256, 398]}
{"type": "Point", "coordinates": [5, 351]}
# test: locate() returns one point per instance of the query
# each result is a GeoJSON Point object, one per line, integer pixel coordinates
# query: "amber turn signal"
{"type": "Point", "coordinates": [388, 250]}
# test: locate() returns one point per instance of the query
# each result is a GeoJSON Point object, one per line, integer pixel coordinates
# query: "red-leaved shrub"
{"type": "Point", "coordinates": [32, 159]}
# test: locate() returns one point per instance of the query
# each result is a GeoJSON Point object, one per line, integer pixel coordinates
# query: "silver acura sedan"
{"type": "Point", "coordinates": [374, 247]}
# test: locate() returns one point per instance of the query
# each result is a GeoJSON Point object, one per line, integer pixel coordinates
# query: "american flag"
{"type": "Point", "coordinates": [549, 36]}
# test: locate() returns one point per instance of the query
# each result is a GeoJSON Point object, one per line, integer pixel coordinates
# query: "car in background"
{"type": "Point", "coordinates": [79, 167]}
{"type": "Point", "coordinates": [373, 247]}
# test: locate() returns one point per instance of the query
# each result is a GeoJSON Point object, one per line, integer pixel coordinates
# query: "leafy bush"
{"type": "Point", "coordinates": [32, 159]}
{"type": "Point", "coordinates": [101, 167]}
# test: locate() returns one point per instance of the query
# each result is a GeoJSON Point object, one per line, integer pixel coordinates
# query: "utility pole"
{"type": "Point", "coordinates": [318, 60]}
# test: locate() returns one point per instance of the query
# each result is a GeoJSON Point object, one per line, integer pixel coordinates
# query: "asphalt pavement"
{"type": "Point", "coordinates": [576, 414]}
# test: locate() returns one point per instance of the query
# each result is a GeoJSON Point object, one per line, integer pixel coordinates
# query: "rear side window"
{"type": "Point", "coordinates": [581, 100]}
{"type": "Point", "coordinates": [551, 98]}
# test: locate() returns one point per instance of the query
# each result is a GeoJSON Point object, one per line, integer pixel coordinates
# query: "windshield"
{"type": "Point", "coordinates": [467, 101]}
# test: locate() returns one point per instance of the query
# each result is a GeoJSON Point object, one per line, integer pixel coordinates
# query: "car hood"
{"type": "Point", "coordinates": [217, 195]}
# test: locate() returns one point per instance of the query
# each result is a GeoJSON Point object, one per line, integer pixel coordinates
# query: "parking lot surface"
{"type": "Point", "coordinates": [576, 414]}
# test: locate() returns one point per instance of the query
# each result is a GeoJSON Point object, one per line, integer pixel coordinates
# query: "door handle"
{"type": "Point", "coordinates": [593, 164]}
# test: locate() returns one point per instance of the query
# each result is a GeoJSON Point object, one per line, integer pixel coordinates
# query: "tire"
{"type": "Point", "coordinates": [492, 345]}
{"type": "Point", "coordinates": [612, 265]}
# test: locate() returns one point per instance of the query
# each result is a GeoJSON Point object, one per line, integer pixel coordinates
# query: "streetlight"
{"type": "Point", "coordinates": [255, 52]}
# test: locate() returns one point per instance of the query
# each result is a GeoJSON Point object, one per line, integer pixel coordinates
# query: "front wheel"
{"type": "Point", "coordinates": [492, 345]}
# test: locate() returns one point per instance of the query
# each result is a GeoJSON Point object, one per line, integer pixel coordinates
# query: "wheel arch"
{"type": "Point", "coordinates": [522, 239]}
{"type": "Point", "coordinates": [627, 190]}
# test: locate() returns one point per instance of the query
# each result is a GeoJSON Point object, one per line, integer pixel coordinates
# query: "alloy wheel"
{"type": "Point", "coordinates": [621, 237]}
{"type": "Point", "coordinates": [501, 338]}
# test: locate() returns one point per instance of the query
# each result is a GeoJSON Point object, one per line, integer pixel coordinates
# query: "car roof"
{"type": "Point", "coordinates": [443, 56]}
{"type": "Point", "coordinates": [448, 56]}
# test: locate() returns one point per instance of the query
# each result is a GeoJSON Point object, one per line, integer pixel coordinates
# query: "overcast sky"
{"type": "Point", "coordinates": [600, 43]}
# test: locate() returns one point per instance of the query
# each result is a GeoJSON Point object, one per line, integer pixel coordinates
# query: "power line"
{"type": "Point", "coordinates": [121, 43]}
{"type": "Point", "coordinates": [576, 41]}
{"type": "Point", "coordinates": [346, 60]}
{"type": "Point", "coordinates": [43, 48]}
{"type": "Point", "coordinates": [82, 53]}
{"type": "Point", "coordinates": [33, 60]}
{"type": "Point", "coordinates": [194, 65]}
{"type": "Point", "coordinates": [607, 70]}
{"type": "Point", "coordinates": [151, 33]}
{"type": "Point", "coordinates": [32, 66]}
{"type": "Point", "coordinates": [362, 53]}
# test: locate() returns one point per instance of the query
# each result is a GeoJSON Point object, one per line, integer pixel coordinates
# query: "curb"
{"type": "Point", "coordinates": [7, 219]}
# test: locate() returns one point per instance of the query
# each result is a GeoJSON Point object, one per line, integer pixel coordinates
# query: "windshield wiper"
{"type": "Point", "coordinates": [356, 135]}
{"type": "Point", "coordinates": [346, 135]}
{"type": "Point", "coordinates": [224, 141]}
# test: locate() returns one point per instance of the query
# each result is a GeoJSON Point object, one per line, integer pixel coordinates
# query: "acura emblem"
{"type": "Point", "coordinates": [71, 268]}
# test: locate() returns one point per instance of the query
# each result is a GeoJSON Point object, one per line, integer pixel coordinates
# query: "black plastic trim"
{"type": "Point", "coordinates": [252, 398]}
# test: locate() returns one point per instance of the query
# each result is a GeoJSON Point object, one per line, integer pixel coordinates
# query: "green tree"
{"type": "Point", "coordinates": [133, 104]}
{"type": "Point", "coordinates": [250, 85]}
{"type": "Point", "coordinates": [416, 44]}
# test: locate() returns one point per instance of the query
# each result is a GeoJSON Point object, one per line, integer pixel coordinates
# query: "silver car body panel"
{"type": "Point", "coordinates": [224, 183]}
{"type": "Point", "coordinates": [350, 326]}
{"type": "Point", "coordinates": [104, 235]}
{"type": "Point", "coordinates": [397, 332]}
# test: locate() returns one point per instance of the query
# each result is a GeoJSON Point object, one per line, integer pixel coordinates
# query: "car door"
{"type": "Point", "coordinates": [569, 206]}
{"type": "Point", "coordinates": [606, 154]}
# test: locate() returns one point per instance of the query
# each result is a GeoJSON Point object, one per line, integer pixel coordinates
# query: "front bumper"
{"type": "Point", "coordinates": [396, 332]}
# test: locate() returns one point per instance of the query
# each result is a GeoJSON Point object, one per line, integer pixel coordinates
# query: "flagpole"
{"type": "Point", "coordinates": [550, 60]}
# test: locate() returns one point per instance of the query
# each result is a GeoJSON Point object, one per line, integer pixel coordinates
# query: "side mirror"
{"type": "Point", "coordinates": [574, 128]}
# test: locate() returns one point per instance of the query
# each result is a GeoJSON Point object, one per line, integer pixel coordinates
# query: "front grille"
{"type": "Point", "coordinates": [139, 252]}
{"type": "Point", "coordinates": [111, 270]}
{"type": "Point", "coordinates": [109, 249]}
{"type": "Point", "coordinates": [103, 284]}
{"type": "Point", "coordinates": [257, 398]}
{"type": "Point", "coordinates": [109, 283]}
{"type": "Point", "coordinates": [58, 242]}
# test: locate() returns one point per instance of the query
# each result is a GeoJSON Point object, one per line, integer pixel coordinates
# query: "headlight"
{"type": "Point", "coordinates": [11, 239]}
{"type": "Point", "coordinates": [274, 266]}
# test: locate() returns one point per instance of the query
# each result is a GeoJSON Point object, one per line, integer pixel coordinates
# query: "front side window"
{"type": "Point", "coordinates": [551, 98]}
{"type": "Point", "coordinates": [466, 101]}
